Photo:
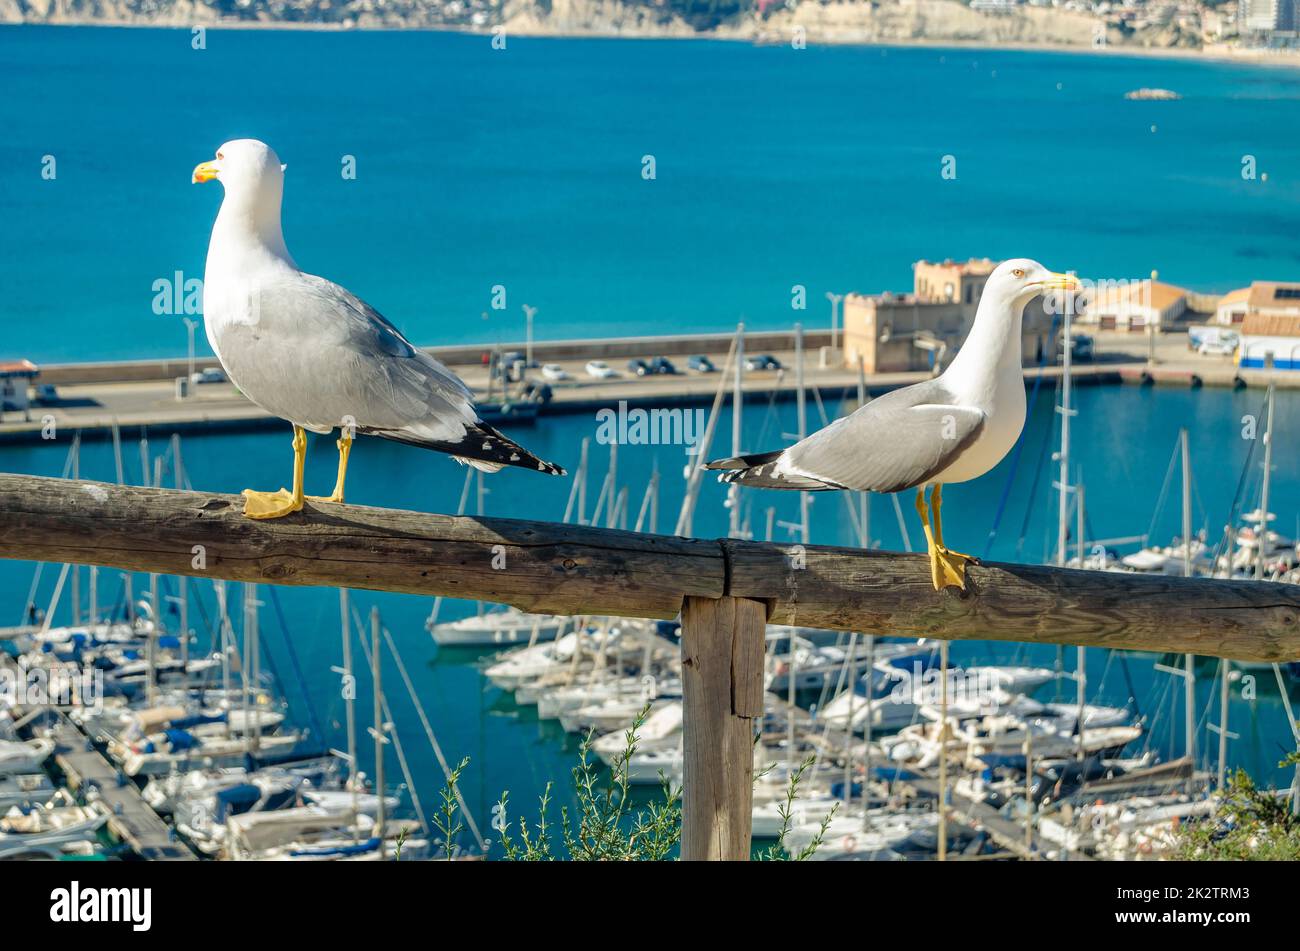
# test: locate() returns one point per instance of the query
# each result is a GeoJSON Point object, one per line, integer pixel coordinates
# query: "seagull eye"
{"type": "Point", "coordinates": [220, 156]}
{"type": "Point", "coordinates": [1018, 272]}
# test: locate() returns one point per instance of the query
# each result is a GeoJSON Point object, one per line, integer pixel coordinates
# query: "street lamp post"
{"type": "Point", "coordinates": [835, 318]}
{"type": "Point", "coordinates": [528, 340]}
{"type": "Point", "coordinates": [189, 376]}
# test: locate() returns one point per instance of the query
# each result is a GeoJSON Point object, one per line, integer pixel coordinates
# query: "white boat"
{"type": "Point", "coordinates": [521, 666]}
{"type": "Point", "coordinates": [162, 752]}
{"type": "Point", "coordinates": [21, 789]}
{"type": "Point", "coordinates": [847, 836]}
{"type": "Point", "coordinates": [316, 833]}
{"type": "Point", "coordinates": [654, 766]}
{"type": "Point", "coordinates": [663, 726]}
{"type": "Point", "coordinates": [500, 628]}
{"type": "Point", "coordinates": [46, 831]}
{"type": "Point", "coordinates": [24, 756]}
{"type": "Point", "coordinates": [767, 819]}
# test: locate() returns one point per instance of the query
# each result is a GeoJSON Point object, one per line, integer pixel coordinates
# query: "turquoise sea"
{"type": "Point", "coordinates": [523, 168]}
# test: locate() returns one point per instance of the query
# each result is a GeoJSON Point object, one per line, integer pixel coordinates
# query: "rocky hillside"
{"type": "Point", "coordinates": [855, 21]}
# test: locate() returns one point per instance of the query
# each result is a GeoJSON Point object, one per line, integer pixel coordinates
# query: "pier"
{"type": "Point", "coordinates": [93, 398]}
{"type": "Point", "coordinates": [131, 819]}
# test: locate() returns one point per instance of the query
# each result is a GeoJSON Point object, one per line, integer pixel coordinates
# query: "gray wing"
{"type": "Point", "coordinates": [895, 442]}
{"type": "Point", "coordinates": [892, 443]}
{"type": "Point", "coordinates": [316, 354]}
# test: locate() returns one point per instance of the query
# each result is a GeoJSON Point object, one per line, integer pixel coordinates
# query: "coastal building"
{"type": "Point", "coordinates": [1270, 343]}
{"type": "Point", "coordinates": [922, 330]}
{"type": "Point", "coordinates": [1134, 306]}
{"type": "Point", "coordinates": [16, 377]}
{"type": "Point", "coordinates": [1232, 307]}
{"type": "Point", "coordinates": [1262, 298]}
{"type": "Point", "coordinates": [1270, 326]}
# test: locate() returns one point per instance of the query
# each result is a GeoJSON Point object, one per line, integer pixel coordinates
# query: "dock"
{"type": "Point", "coordinates": [982, 817]}
{"type": "Point", "coordinates": [97, 397]}
{"type": "Point", "coordinates": [131, 819]}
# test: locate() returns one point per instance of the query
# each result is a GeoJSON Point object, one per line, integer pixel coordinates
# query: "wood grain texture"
{"type": "Point", "coordinates": [567, 569]}
{"type": "Point", "coordinates": [549, 568]}
{"type": "Point", "coordinates": [718, 744]}
{"type": "Point", "coordinates": [888, 593]}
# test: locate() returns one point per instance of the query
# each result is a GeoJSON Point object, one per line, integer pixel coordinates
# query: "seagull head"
{"type": "Point", "coordinates": [253, 178]}
{"type": "Point", "coordinates": [247, 169]}
{"type": "Point", "coordinates": [1020, 280]}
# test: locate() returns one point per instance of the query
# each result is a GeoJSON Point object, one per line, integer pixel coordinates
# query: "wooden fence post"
{"type": "Point", "coordinates": [722, 690]}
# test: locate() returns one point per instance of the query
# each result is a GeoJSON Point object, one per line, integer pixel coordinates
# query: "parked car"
{"type": "Point", "coordinates": [638, 366]}
{"type": "Point", "coordinates": [762, 361]}
{"type": "Point", "coordinates": [1223, 347]}
{"type": "Point", "coordinates": [1081, 348]}
{"type": "Point", "coordinates": [45, 393]}
{"type": "Point", "coordinates": [555, 372]}
{"type": "Point", "coordinates": [662, 365]}
{"type": "Point", "coordinates": [600, 370]}
{"type": "Point", "coordinates": [210, 375]}
{"type": "Point", "coordinates": [700, 364]}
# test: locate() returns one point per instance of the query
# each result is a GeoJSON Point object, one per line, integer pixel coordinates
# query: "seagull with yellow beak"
{"type": "Point", "coordinates": [952, 428]}
{"type": "Point", "coordinates": [308, 351]}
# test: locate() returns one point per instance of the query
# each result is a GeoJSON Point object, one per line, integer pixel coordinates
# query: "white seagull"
{"type": "Point", "coordinates": [953, 428]}
{"type": "Point", "coordinates": [308, 351]}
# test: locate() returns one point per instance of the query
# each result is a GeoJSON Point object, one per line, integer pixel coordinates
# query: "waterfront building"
{"type": "Point", "coordinates": [1270, 326]}
{"type": "Point", "coordinates": [922, 330]}
{"type": "Point", "coordinates": [1135, 306]}
{"type": "Point", "coordinates": [1263, 298]}
{"type": "Point", "coordinates": [16, 377]}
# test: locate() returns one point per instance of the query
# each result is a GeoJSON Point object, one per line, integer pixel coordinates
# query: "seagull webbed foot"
{"type": "Point", "coordinates": [270, 504]}
{"type": "Point", "coordinates": [949, 568]}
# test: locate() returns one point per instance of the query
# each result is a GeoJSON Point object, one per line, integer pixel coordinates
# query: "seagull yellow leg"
{"type": "Point", "coordinates": [952, 563]}
{"type": "Point", "coordinates": [281, 503]}
{"type": "Point", "coordinates": [923, 510]}
{"type": "Point", "coordinates": [345, 448]}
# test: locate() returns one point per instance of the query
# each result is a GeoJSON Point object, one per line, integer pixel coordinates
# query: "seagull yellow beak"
{"type": "Point", "coordinates": [1057, 282]}
{"type": "Point", "coordinates": [204, 173]}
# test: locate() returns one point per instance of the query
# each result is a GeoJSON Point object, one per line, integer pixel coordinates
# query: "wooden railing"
{"type": "Point", "coordinates": [724, 590]}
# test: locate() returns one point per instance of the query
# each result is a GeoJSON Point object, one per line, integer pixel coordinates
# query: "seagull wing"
{"type": "Point", "coordinates": [898, 441]}
{"type": "Point", "coordinates": [317, 355]}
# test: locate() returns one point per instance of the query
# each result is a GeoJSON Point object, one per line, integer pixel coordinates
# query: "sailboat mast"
{"type": "Point", "coordinates": [182, 582]}
{"type": "Point", "coordinates": [864, 498]}
{"type": "Point", "coordinates": [802, 404]}
{"type": "Point", "coordinates": [379, 727]}
{"type": "Point", "coordinates": [1189, 676]}
{"type": "Point", "coordinates": [349, 699]}
{"type": "Point", "coordinates": [1225, 669]}
{"type": "Point", "coordinates": [1262, 539]}
{"type": "Point", "coordinates": [1063, 512]}
{"type": "Point", "coordinates": [1081, 655]}
{"type": "Point", "coordinates": [737, 419]}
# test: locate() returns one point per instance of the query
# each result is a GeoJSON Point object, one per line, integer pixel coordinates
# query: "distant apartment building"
{"type": "Point", "coordinates": [923, 330]}
{"type": "Point", "coordinates": [1135, 306]}
{"type": "Point", "coordinates": [1266, 16]}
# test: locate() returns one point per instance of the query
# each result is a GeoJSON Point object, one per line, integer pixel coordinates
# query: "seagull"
{"type": "Point", "coordinates": [309, 351]}
{"type": "Point", "coordinates": [952, 428]}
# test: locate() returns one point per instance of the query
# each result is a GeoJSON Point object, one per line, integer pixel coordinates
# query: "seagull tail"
{"type": "Point", "coordinates": [483, 447]}
{"type": "Point", "coordinates": [762, 470]}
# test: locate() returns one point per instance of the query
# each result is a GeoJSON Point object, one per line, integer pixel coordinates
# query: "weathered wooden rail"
{"type": "Point", "coordinates": [725, 591]}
